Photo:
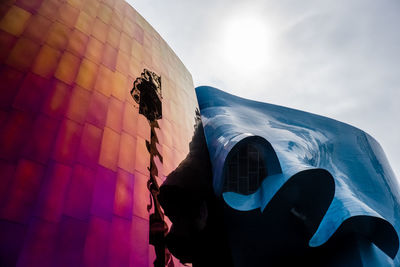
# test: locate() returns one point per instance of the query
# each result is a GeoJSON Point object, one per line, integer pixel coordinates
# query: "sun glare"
{"type": "Point", "coordinates": [245, 43]}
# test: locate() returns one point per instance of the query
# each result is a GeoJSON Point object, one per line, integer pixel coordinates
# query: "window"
{"type": "Point", "coordinates": [245, 169]}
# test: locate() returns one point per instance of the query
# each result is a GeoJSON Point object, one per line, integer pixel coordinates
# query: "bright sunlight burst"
{"type": "Point", "coordinates": [246, 43]}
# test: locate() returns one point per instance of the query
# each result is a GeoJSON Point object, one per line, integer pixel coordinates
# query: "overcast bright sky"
{"type": "Point", "coordinates": [337, 58]}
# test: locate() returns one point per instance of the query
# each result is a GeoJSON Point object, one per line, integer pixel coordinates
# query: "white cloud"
{"type": "Point", "coordinates": [334, 58]}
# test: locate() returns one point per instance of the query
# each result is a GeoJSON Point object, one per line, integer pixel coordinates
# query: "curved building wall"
{"type": "Point", "coordinates": [73, 158]}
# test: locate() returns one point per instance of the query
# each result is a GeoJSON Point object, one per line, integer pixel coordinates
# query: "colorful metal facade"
{"type": "Point", "coordinates": [73, 157]}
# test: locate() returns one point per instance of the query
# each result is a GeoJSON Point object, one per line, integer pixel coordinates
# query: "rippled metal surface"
{"type": "Point", "coordinates": [365, 184]}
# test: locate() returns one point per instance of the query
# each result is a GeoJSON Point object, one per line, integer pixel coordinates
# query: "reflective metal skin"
{"type": "Point", "coordinates": [338, 175]}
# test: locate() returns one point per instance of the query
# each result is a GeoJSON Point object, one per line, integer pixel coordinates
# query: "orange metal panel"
{"type": "Point", "coordinates": [97, 110]}
{"type": "Point", "coordinates": [15, 20]}
{"type": "Point", "coordinates": [37, 28]}
{"type": "Point", "coordinates": [87, 74]}
{"type": "Point", "coordinates": [104, 13]}
{"type": "Point", "coordinates": [129, 121]}
{"type": "Point", "coordinates": [114, 114]}
{"type": "Point", "coordinates": [68, 68]}
{"type": "Point", "coordinates": [141, 196]}
{"type": "Point", "coordinates": [78, 104]}
{"type": "Point", "coordinates": [68, 14]}
{"type": "Point", "coordinates": [94, 50]}
{"type": "Point", "coordinates": [142, 157]}
{"type": "Point", "coordinates": [119, 86]}
{"type": "Point", "coordinates": [113, 37]}
{"type": "Point", "coordinates": [23, 53]}
{"type": "Point", "coordinates": [137, 50]}
{"type": "Point", "coordinates": [49, 8]}
{"type": "Point", "coordinates": [90, 7]}
{"type": "Point", "coordinates": [125, 43]}
{"type": "Point", "coordinates": [58, 36]}
{"type": "Point", "coordinates": [122, 62]}
{"type": "Point", "coordinates": [127, 153]}
{"type": "Point", "coordinates": [109, 56]}
{"type": "Point", "coordinates": [104, 81]}
{"type": "Point", "coordinates": [100, 30]}
{"type": "Point", "coordinates": [77, 43]}
{"type": "Point", "coordinates": [46, 62]}
{"type": "Point", "coordinates": [109, 149]}
{"type": "Point", "coordinates": [84, 23]}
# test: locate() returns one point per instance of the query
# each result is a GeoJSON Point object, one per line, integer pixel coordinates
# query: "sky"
{"type": "Point", "coordinates": [336, 58]}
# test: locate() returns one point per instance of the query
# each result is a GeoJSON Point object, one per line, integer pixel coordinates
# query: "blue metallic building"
{"type": "Point", "coordinates": [324, 189]}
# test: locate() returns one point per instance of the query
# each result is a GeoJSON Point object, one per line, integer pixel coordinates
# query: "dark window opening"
{"type": "Point", "coordinates": [245, 170]}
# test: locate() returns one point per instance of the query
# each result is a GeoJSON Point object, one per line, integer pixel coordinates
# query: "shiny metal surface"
{"type": "Point", "coordinates": [365, 185]}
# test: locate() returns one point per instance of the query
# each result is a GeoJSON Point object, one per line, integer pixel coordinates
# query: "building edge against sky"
{"type": "Point", "coordinates": [73, 158]}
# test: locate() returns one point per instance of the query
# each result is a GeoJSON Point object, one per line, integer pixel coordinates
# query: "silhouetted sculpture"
{"type": "Point", "coordinates": [147, 93]}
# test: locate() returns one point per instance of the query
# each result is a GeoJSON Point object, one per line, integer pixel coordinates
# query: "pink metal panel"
{"type": "Point", "coordinates": [41, 140]}
{"type": "Point", "coordinates": [140, 242]}
{"type": "Point", "coordinates": [97, 110]}
{"type": "Point", "coordinates": [56, 103]}
{"type": "Point", "coordinates": [120, 242]}
{"type": "Point", "coordinates": [89, 147]}
{"type": "Point", "coordinates": [53, 190]}
{"type": "Point", "coordinates": [14, 134]}
{"type": "Point", "coordinates": [31, 94]}
{"type": "Point", "coordinates": [78, 200]}
{"type": "Point", "coordinates": [40, 241]}
{"type": "Point", "coordinates": [70, 242]}
{"type": "Point", "coordinates": [104, 193]}
{"type": "Point", "coordinates": [11, 79]}
{"type": "Point", "coordinates": [23, 192]}
{"type": "Point", "coordinates": [67, 141]}
{"type": "Point", "coordinates": [123, 203]}
{"type": "Point", "coordinates": [97, 241]}
{"type": "Point", "coordinates": [73, 159]}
